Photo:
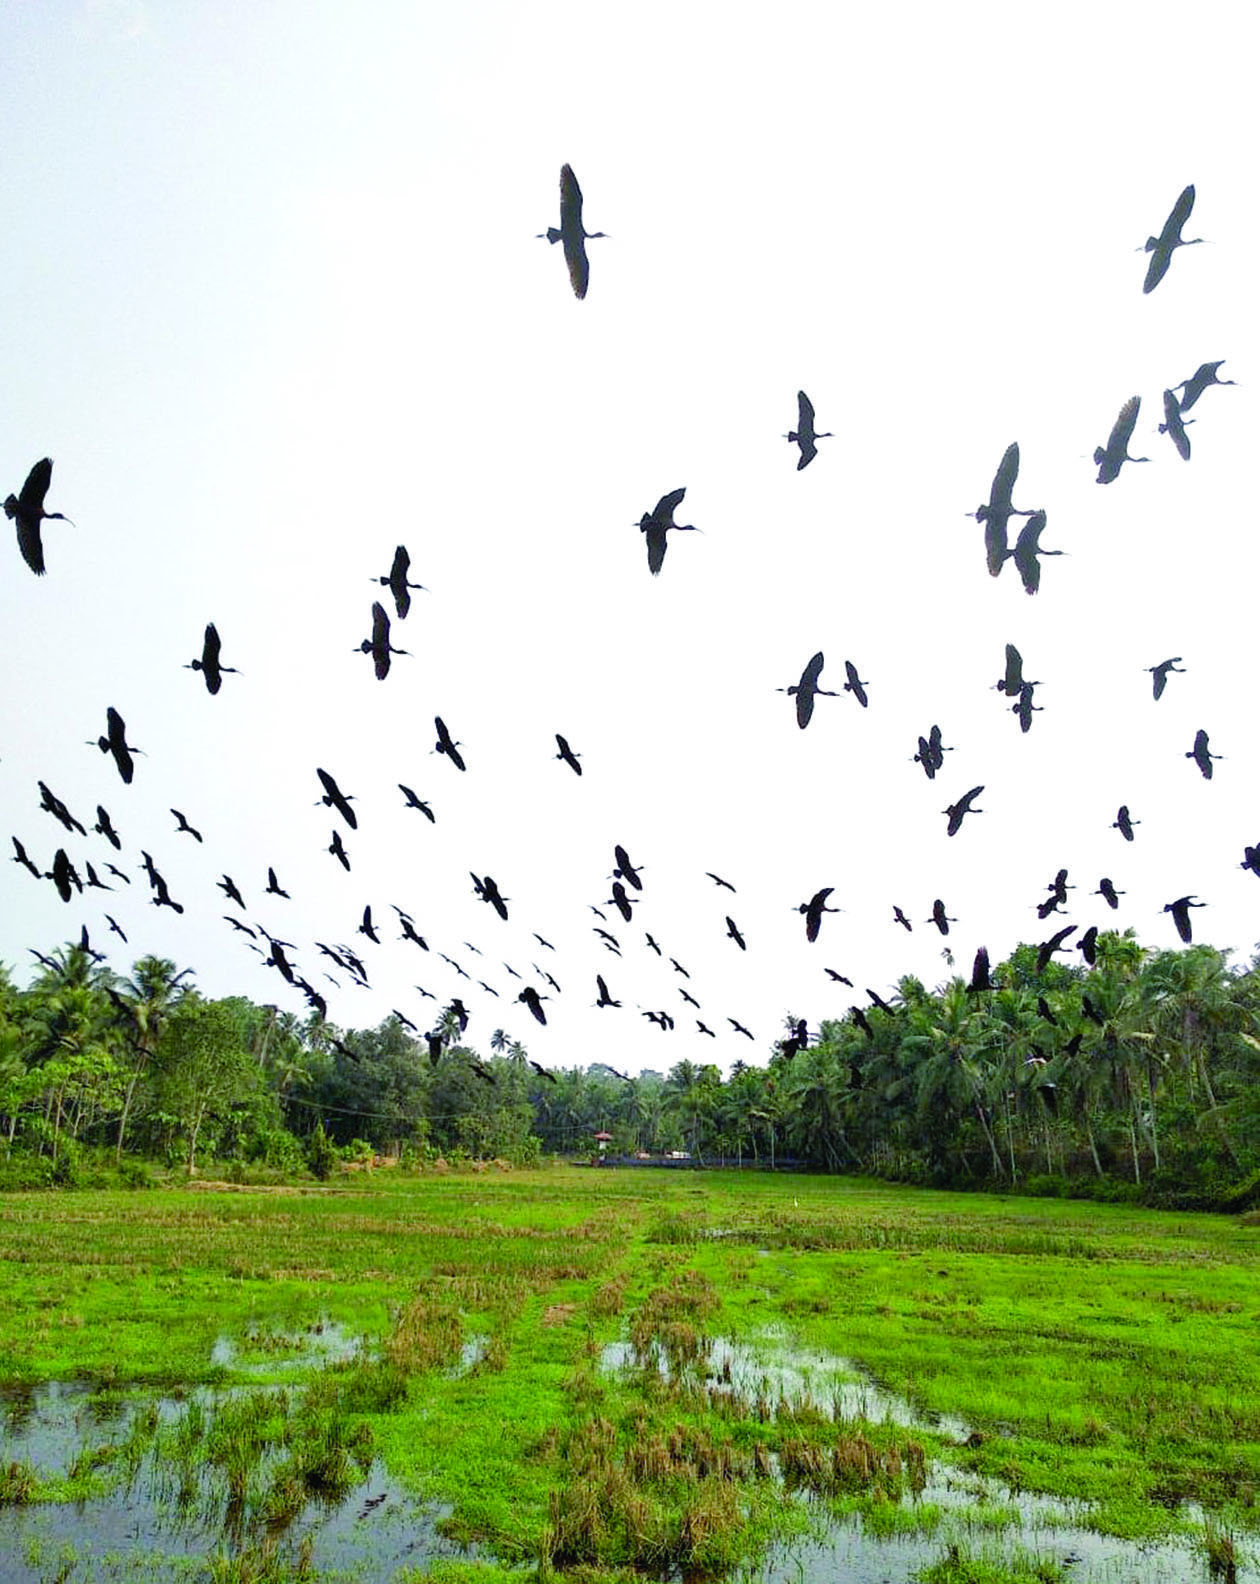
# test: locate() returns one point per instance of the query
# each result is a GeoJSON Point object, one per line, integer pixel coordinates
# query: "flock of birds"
{"type": "Point", "coordinates": [72, 877]}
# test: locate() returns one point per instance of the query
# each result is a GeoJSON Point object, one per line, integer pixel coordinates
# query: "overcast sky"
{"type": "Point", "coordinates": [275, 303]}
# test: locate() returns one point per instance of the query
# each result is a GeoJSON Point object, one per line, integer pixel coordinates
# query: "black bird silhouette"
{"type": "Point", "coordinates": [404, 1020]}
{"type": "Point", "coordinates": [927, 759]}
{"type": "Point", "coordinates": [1159, 674]}
{"type": "Point", "coordinates": [27, 511]}
{"type": "Point", "coordinates": [94, 882]}
{"type": "Point", "coordinates": [397, 583]}
{"type": "Point", "coordinates": [652, 944]}
{"type": "Point", "coordinates": [273, 886]}
{"type": "Point", "coordinates": [1092, 1012]}
{"type": "Point", "coordinates": [813, 910]}
{"type": "Point", "coordinates": [1048, 948]}
{"type": "Point", "coordinates": [625, 870]}
{"type": "Point", "coordinates": [541, 941]}
{"type": "Point", "coordinates": [1199, 753]}
{"type": "Point", "coordinates": [572, 233]}
{"type": "Point", "coordinates": [104, 827]}
{"type": "Point", "coordinates": [414, 802]}
{"type": "Point", "coordinates": [236, 924]}
{"type": "Point", "coordinates": [1088, 945]}
{"type": "Point", "coordinates": [1180, 910]}
{"type": "Point", "coordinates": [1045, 1011]}
{"type": "Point", "coordinates": [658, 522]}
{"type": "Point", "coordinates": [209, 665]}
{"type": "Point", "coordinates": [901, 919]}
{"type": "Point", "coordinates": [1013, 681]}
{"type": "Point", "coordinates": [620, 900]}
{"type": "Point", "coordinates": [1174, 426]}
{"type": "Point", "coordinates": [958, 811]}
{"type": "Point", "coordinates": [446, 746]}
{"type": "Point", "coordinates": [52, 804]}
{"type": "Point", "coordinates": [732, 929]}
{"type": "Point", "coordinates": [314, 1000]}
{"type": "Point", "coordinates": [21, 858]}
{"type": "Point", "coordinates": [980, 980]}
{"type": "Point", "coordinates": [662, 1020]}
{"type": "Point", "coordinates": [860, 1020]}
{"type": "Point", "coordinates": [878, 1000]}
{"type": "Point", "coordinates": [807, 689]}
{"type": "Point", "coordinates": [426, 995]}
{"type": "Point", "coordinates": [115, 928]}
{"type": "Point", "coordinates": [1112, 457]}
{"type": "Point", "coordinates": [940, 918]}
{"type": "Point", "coordinates": [409, 928]}
{"type": "Point", "coordinates": [739, 1028]}
{"type": "Point", "coordinates": [838, 978]}
{"type": "Point", "coordinates": [337, 849]}
{"type": "Point", "coordinates": [548, 978]}
{"type": "Point", "coordinates": [184, 827]}
{"type": "Point", "coordinates": [796, 1041]}
{"type": "Point", "coordinates": [1108, 892]}
{"type": "Point", "coordinates": [489, 989]}
{"type": "Point", "coordinates": [534, 1001]}
{"type": "Point", "coordinates": [566, 753]}
{"type": "Point", "coordinates": [1162, 247]}
{"type": "Point", "coordinates": [678, 968]}
{"type": "Point", "coordinates": [1199, 381]}
{"type": "Point", "coordinates": [126, 879]}
{"type": "Point", "coordinates": [1124, 822]}
{"type": "Point", "coordinates": [1251, 859]}
{"type": "Point", "coordinates": [115, 743]}
{"type": "Point", "coordinates": [542, 1072]}
{"type": "Point", "coordinates": [998, 511]}
{"type": "Point", "coordinates": [367, 927]}
{"type": "Point", "coordinates": [1025, 709]}
{"type": "Point", "coordinates": [689, 999]}
{"type": "Point", "coordinates": [805, 434]}
{"type": "Point", "coordinates": [488, 891]}
{"type": "Point", "coordinates": [855, 684]}
{"type": "Point", "coordinates": [1028, 550]}
{"type": "Point", "coordinates": [335, 798]}
{"type": "Point", "coordinates": [718, 880]}
{"type": "Point", "coordinates": [279, 961]}
{"type": "Point", "coordinates": [64, 875]}
{"type": "Point", "coordinates": [606, 936]}
{"type": "Point", "coordinates": [461, 1012]}
{"type": "Point", "coordinates": [378, 645]}
{"type": "Point", "coordinates": [705, 1029]}
{"type": "Point", "coordinates": [605, 1000]}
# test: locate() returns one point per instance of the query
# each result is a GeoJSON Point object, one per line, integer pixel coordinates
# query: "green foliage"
{"type": "Point", "coordinates": [321, 1154]}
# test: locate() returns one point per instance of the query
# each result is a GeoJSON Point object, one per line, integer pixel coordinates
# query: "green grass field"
{"type": "Point", "coordinates": [1103, 1355]}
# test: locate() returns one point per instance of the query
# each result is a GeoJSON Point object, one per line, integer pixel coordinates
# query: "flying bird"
{"type": "Point", "coordinates": [807, 689]}
{"type": "Point", "coordinates": [980, 980]}
{"type": "Point", "coordinates": [678, 968]}
{"type": "Point", "coordinates": [488, 891]}
{"type": "Point", "coordinates": [1180, 910]}
{"type": "Point", "coordinates": [1048, 948]}
{"type": "Point", "coordinates": [1199, 753]}
{"type": "Point", "coordinates": [52, 804]}
{"type": "Point", "coordinates": [998, 511]}
{"type": "Point", "coordinates": [115, 743]}
{"type": "Point", "coordinates": [901, 919]}
{"type": "Point", "coordinates": [94, 882]}
{"type": "Point", "coordinates": [813, 911]}
{"type": "Point", "coordinates": [1107, 891]}
{"type": "Point", "coordinates": [1025, 708]}
{"type": "Point", "coordinates": [739, 1028]}
{"type": "Point", "coordinates": [621, 901]}
{"type": "Point", "coordinates": [1162, 247]}
{"type": "Point", "coordinates": [652, 944]}
{"type": "Point", "coordinates": [1159, 674]}
{"type": "Point", "coordinates": [572, 233]}
{"type": "Point", "coordinates": [1124, 822]}
{"type": "Point", "coordinates": [1198, 382]}
{"type": "Point", "coordinates": [335, 798]}
{"type": "Point", "coordinates": [184, 828]}
{"type": "Point", "coordinates": [705, 1029]}
{"type": "Point", "coordinates": [541, 941]}
{"type": "Point", "coordinates": [378, 645]}
{"type": "Point", "coordinates": [855, 685]}
{"type": "Point", "coordinates": [104, 827]}
{"type": "Point", "coordinates": [657, 523]}
{"type": "Point", "coordinates": [1028, 550]}
{"type": "Point", "coordinates": [397, 583]}
{"type": "Point", "coordinates": [115, 928]}
{"type": "Point", "coordinates": [605, 1000]}
{"type": "Point", "coordinates": [27, 511]}
{"type": "Point", "coordinates": [1013, 680]}
{"type": "Point", "coordinates": [805, 434]}
{"type": "Point", "coordinates": [446, 746]}
{"type": "Point", "coordinates": [530, 996]}
{"type": "Point", "coordinates": [1251, 859]}
{"type": "Point", "coordinates": [718, 880]}
{"type": "Point", "coordinates": [337, 848]}
{"type": "Point", "coordinates": [209, 665]}
{"type": "Point", "coordinates": [566, 753]}
{"type": "Point", "coordinates": [625, 870]}
{"type": "Point", "coordinates": [732, 929]}
{"type": "Point", "coordinates": [1174, 426]}
{"type": "Point", "coordinates": [958, 811]}
{"type": "Point", "coordinates": [1112, 457]}
{"type": "Point", "coordinates": [20, 857]}
{"type": "Point", "coordinates": [64, 875]}
{"type": "Point", "coordinates": [940, 918]}
{"type": "Point", "coordinates": [838, 978]}
{"type": "Point", "coordinates": [367, 927]}
{"type": "Point", "coordinates": [414, 802]}
{"type": "Point", "coordinates": [1088, 945]}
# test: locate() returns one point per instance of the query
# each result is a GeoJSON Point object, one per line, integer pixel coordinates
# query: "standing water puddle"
{"type": "Point", "coordinates": [954, 1508]}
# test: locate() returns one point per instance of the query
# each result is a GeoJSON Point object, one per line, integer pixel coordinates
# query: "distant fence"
{"type": "Point", "coordinates": [695, 1163]}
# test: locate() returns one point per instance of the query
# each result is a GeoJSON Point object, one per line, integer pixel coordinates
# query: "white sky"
{"type": "Point", "coordinates": [275, 303]}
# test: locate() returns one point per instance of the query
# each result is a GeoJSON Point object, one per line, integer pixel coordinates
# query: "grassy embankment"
{"type": "Point", "coordinates": [1101, 1354]}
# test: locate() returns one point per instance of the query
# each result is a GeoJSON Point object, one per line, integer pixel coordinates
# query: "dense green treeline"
{"type": "Point", "coordinates": [1139, 1076]}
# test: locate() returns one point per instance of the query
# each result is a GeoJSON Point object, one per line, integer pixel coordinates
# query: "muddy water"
{"type": "Point", "coordinates": [771, 1372]}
